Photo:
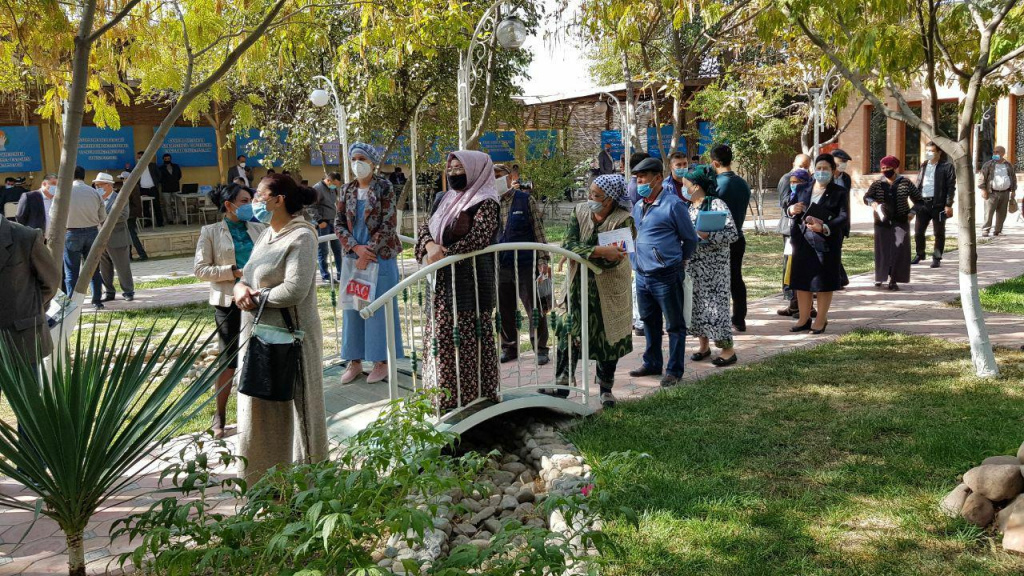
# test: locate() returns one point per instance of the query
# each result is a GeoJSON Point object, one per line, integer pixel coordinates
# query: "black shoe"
{"type": "Point", "coordinates": [878, 284]}
{"type": "Point", "coordinates": [894, 287]}
{"type": "Point", "coordinates": [556, 392]}
{"type": "Point", "coordinates": [740, 326]}
{"type": "Point", "coordinates": [698, 356]}
{"type": "Point", "coordinates": [98, 305]}
{"type": "Point", "coordinates": [814, 313]}
{"type": "Point", "coordinates": [143, 258]}
{"type": "Point", "coordinates": [607, 398]}
{"type": "Point", "coordinates": [668, 381]}
{"type": "Point", "coordinates": [107, 298]}
{"type": "Point", "coordinates": [129, 297]}
{"type": "Point", "coordinates": [787, 311]}
{"type": "Point", "coordinates": [543, 359]}
{"type": "Point", "coordinates": [936, 263]}
{"type": "Point", "coordinates": [822, 330]}
{"type": "Point", "coordinates": [638, 332]}
{"type": "Point", "coordinates": [916, 260]}
{"type": "Point", "coordinates": [643, 370]}
{"type": "Point", "coordinates": [507, 357]}
{"type": "Point", "coordinates": [720, 362]}
{"type": "Point", "coordinates": [801, 328]}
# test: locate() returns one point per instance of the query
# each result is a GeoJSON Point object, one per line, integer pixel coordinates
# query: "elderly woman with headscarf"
{"type": "Point", "coordinates": [710, 318]}
{"type": "Point", "coordinates": [461, 358]}
{"type": "Point", "coordinates": [609, 318]}
{"type": "Point", "coordinates": [820, 222]}
{"type": "Point", "coordinates": [366, 226]}
{"type": "Point", "coordinates": [890, 197]}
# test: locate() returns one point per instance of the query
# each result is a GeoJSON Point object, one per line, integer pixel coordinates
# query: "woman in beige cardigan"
{"type": "Point", "coordinates": [223, 250]}
{"type": "Point", "coordinates": [284, 263]}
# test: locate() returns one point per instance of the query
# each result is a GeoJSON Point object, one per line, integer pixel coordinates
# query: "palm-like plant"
{"type": "Point", "coordinates": [105, 404]}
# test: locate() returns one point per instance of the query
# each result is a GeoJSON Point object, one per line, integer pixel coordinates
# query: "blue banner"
{"type": "Point", "coordinates": [105, 149]}
{"type": "Point", "coordinates": [19, 149]}
{"type": "Point", "coordinates": [501, 146]}
{"type": "Point", "coordinates": [190, 146]}
{"type": "Point", "coordinates": [666, 141]}
{"type": "Point", "coordinates": [613, 137]}
{"type": "Point", "coordinates": [331, 151]}
{"type": "Point", "coordinates": [251, 144]}
{"type": "Point", "coordinates": [707, 136]}
{"type": "Point", "coordinates": [541, 143]}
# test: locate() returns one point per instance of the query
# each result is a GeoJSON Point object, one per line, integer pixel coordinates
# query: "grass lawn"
{"type": "Point", "coordinates": [1006, 297]}
{"type": "Point", "coordinates": [829, 461]}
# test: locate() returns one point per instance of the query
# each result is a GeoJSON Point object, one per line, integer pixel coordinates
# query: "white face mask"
{"type": "Point", "coordinates": [361, 169]}
{"type": "Point", "coordinates": [929, 155]}
{"type": "Point", "coordinates": [501, 185]}
{"type": "Point", "coordinates": [841, 166]}
{"type": "Point", "coordinates": [52, 190]}
{"type": "Point", "coordinates": [241, 165]}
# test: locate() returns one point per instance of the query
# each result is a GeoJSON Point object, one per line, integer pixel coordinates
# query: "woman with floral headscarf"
{"type": "Point", "coordinates": [609, 294]}
{"type": "Point", "coordinates": [460, 353]}
{"type": "Point", "coordinates": [366, 226]}
{"type": "Point", "coordinates": [709, 268]}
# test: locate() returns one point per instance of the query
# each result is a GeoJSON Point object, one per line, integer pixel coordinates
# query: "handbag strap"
{"type": "Point", "coordinates": [284, 312]}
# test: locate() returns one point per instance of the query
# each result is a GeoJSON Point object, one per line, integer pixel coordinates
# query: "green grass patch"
{"type": "Point", "coordinates": [162, 283]}
{"type": "Point", "coordinates": [829, 461]}
{"type": "Point", "coordinates": [1006, 297]}
{"type": "Point", "coordinates": [762, 263]}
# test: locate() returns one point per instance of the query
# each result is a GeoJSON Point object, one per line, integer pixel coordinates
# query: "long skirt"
{"type": "Point", "coordinates": [892, 252]}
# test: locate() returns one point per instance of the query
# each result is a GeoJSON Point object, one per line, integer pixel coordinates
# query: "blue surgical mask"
{"type": "Point", "coordinates": [244, 212]}
{"type": "Point", "coordinates": [792, 188]}
{"type": "Point", "coordinates": [259, 210]}
{"type": "Point", "coordinates": [822, 176]}
{"type": "Point", "coordinates": [996, 156]}
{"type": "Point", "coordinates": [643, 190]}
{"type": "Point", "coordinates": [594, 205]}
{"type": "Point", "coordinates": [686, 193]}
{"type": "Point", "coordinates": [678, 172]}
{"type": "Point", "coordinates": [332, 186]}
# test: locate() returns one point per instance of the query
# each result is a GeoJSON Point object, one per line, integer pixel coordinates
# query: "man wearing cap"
{"type": "Point", "coordinates": [118, 255]}
{"type": "Point", "coordinates": [665, 240]}
{"type": "Point", "coordinates": [85, 216]}
{"type": "Point", "coordinates": [937, 182]}
{"type": "Point", "coordinates": [521, 221]}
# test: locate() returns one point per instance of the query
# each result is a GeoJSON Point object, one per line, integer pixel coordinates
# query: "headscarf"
{"type": "Point", "coordinates": [479, 188]}
{"type": "Point", "coordinates": [704, 176]}
{"type": "Point", "coordinates": [889, 162]}
{"type": "Point", "coordinates": [614, 187]}
{"type": "Point", "coordinates": [502, 168]}
{"type": "Point", "coordinates": [366, 150]}
{"type": "Point", "coordinates": [802, 175]}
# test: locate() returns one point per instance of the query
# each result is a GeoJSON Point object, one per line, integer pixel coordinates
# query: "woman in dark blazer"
{"type": "Point", "coordinates": [820, 222]}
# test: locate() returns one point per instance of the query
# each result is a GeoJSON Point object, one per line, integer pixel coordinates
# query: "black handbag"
{"type": "Point", "coordinates": [270, 371]}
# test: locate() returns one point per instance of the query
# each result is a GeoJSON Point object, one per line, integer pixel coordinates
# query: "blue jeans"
{"type": "Point", "coordinates": [77, 244]}
{"type": "Point", "coordinates": [321, 251]}
{"type": "Point", "coordinates": [662, 296]}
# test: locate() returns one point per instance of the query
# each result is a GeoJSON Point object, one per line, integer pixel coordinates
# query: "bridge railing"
{"type": "Point", "coordinates": [410, 302]}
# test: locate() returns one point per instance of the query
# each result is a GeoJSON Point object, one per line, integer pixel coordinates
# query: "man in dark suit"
{"type": "Point", "coordinates": [937, 182]}
{"type": "Point", "coordinates": [170, 176]}
{"type": "Point", "coordinates": [32, 208]}
{"type": "Point", "coordinates": [28, 280]}
{"type": "Point", "coordinates": [10, 194]}
{"type": "Point", "coordinates": [242, 171]}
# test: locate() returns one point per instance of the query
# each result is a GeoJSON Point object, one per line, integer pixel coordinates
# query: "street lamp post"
{"type": "Point", "coordinates": [413, 139]}
{"type": "Point", "coordinates": [510, 32]}
{"type": "Point", "coordinates": [320, 98]}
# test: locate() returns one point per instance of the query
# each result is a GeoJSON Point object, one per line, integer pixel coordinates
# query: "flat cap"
{"type": "Point", "coordinates": [648, 165]}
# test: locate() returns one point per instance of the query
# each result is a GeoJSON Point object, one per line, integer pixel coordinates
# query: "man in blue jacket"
{"type": "Point", "coordinates": [665, 240]}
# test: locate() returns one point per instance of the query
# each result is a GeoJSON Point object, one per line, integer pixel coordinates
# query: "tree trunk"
{"type": "Point", "coordinates": [633, 142]}
{"type": "Point", "coordinates": [76, 554]}
{"type": "Point", "coordinates": [977, 333]}
{"type": "Point", "coordinates": [74, 112]}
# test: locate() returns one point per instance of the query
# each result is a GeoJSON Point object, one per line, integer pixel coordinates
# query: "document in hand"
{"type": "Point", "coordinates": [621, 237]}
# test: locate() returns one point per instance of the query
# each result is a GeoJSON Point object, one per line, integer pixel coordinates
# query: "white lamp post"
{"type": "Point", "coordinates": [510, 32]}
{"type": "Point", "coordinates": [601, 107]}
{"type": "Point", "coordinates": [1017, 90]}
{"type": "Point", "coordinates": [320, 98]}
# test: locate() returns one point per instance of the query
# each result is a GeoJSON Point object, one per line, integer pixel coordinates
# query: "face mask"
{"type": "Point", "coordinates": [9, 186]}
{"type": "Point", "coordinates": [841, 167]}
{"type": "Point", "coordinates": [244, 212]}
{"type": "Point", "coordinates": [929, 155]}
{"type": "Point", "coordinates": [792, 188]}
{"type": "Point", "coordinates": [501, 185]}
{"type": "Point", "coordinates": [643, 190]}
{"type": "Point", "coordinates": [241, 165]}
{"type": "Point", "coordinates": [332, 186]}
{"type": "Point", "coordinates": [52, 190]}
{"type": "Point", "coordinates": [259, 210]}
{"type": "Point", "coordinates": [994, 157]}
{"type": "Point", "coordinates": [822, 176]}
{"type": "Point", "coordinates": [361, 169]}
{"type": "Point", "coordinates": [458, 181]}
{"type": "Point", "coordinates": [686, 194]}
{"type": "Point", "coordinates": [678, 172]}
{"type": "Point", "coordinates": [888, 173]}
{"type": "Point", "coordinates": [594, 205]}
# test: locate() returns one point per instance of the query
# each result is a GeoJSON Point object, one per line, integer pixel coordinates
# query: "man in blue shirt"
{"type": "Point", "coordinates": [735, 192]}
{"type": "Point", "coordinates": [665, 240]}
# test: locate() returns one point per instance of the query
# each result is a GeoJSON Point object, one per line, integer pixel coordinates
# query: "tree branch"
{"type": "Point", "coordinates": [113, 21]}
{"type": "Point", "coordinates": [840, 131]}
{"type": "Point", "coordinates": [1012, 55]}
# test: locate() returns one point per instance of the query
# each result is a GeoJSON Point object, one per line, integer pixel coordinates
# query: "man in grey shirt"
{"type": "Point", "coordinates": [85, 216]}
{"type": "Point", "coordinates": [326, 210]}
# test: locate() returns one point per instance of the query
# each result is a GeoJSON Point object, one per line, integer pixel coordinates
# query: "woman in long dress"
{"type": "Point", "coordinates": [365, 225]}
{"type": "Point", "coordinates": [609, 319]}
{"type": "Point", "coordinates": [461, 358]}
{"type": "Point", "coordinates": [817, 263]}
{"type": "Point", "coordinates": [709, 270]}
{"type": "Point", "coordinates": [890, 197]}
{"type": "Point", "coordinates": [283, 263]}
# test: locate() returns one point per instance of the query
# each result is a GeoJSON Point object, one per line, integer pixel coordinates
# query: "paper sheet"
{"type": "Point", "coordinates": [622, 237]}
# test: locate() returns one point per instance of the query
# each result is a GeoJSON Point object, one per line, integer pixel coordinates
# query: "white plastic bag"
{"type": "Point", "coordinates": [687, 298]}
{"type": "Point", "coordinates": [358, 287]}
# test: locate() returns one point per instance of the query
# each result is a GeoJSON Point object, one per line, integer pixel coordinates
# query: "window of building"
{"type": "Point", "coordinates": [1018, 137]}
{"type": "Point", "coordinates": [912, 144]}
{"type": "Point", "coordinates": [877, 135]}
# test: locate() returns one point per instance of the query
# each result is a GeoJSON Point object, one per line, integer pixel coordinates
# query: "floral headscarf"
{"type": "Point", "coordinates": [614, 187]}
